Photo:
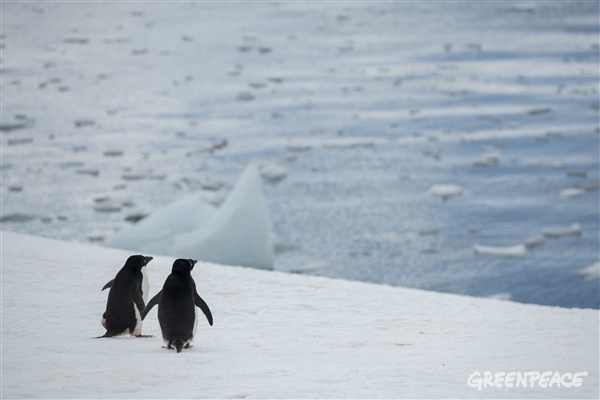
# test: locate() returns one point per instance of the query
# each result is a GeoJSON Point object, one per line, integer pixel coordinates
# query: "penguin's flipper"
{"type": "Point", "coordinates": [153, 301]}
{"type": "Point", "coordinates": [138, 299]}
{"type": "Point", "coordinates": [109, 284]}
{"type": "Point", "coordinates": [201, 304]}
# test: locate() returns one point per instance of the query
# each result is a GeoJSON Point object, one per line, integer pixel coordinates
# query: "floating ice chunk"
{"type": "Point", "coordinates": [351, 144]}
{"type": "Point", "coordinates": [279, 246]}
{"type": "Point", "coordinates": [107, 206]}
{"type": "Point", "coordinates": [311, 267]}
{"type": "Point", "coordinates": [591, 272]}
{"type": "Point", "coordinates": [155, 233]}
{"type": "Point", "coordinates": [272, 172]}
{"type": "Point", "coordinates": [572, 192]}
{"type": "Point", "coordinates": [574, 229]}
{"type": "Point", "coordinates": [298, 147]}
{"type": "Point", "coordinates": [212, 197]}
{"type": "Point", "coordinates": [445, 191]}
{"type": "Point", "coordinates": [487, 160]}
{"type": "Point", "coordinates": [510, 251]}
{"type": "Point", "coordinates": [533, 241]}
{"type": "Point", "coordinates": [500, 296]}
{"type": "Point", "coordinates": [559, 165]}
{"type": "Point", "coordinates": [18, 217]}
{"type": "Point", "coordinates": [240, 231]}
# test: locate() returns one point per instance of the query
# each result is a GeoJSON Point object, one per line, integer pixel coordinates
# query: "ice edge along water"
{"type": "Point", "coordinates": [275, 335]}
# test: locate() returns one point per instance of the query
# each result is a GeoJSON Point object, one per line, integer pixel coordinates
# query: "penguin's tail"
{"type": "Point", "coordinates": [178, 343]}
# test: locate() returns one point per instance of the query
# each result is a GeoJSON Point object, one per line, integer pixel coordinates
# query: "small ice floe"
{"type": "Point", "coordinates": [297, 147]}
{"type": "Point", "coordinates": [591, 272]}
{"type": "Point", "coordinates": [509, 251]}
{"type": "Point", "coordinates": [574, 229]}
{"type": "Point", "coordinates": [272, 172]}
{"type": "Point", "coordinates": [209, 184]}
{"type": "Point", "coordinates": [135, 217]}
{"type": "Point", "coordinates": [245, 96]}
{"type": "Point", "coordinates": [537, 111]}
{"type": "Point", "coordinates": [92, 172]}
{"type": "Point", "coordinates": [14, 126]}
{"type": "Point", "coordinates": [139, 175]}
{"type": "Point", "coordinates": [81, 123]}
{"type": "Point", "coordinates": [591, 185]}
{"type": "Point", "coordinates": [505, 296]}
{"type": "Point", "coordinates": [107, 206]}
{"type": "Point", "coordinates": [113, 153]}
{"type": "Point", "coordinates": [18, 217]}
{"type": "Point", "coordinates": [533, 241]}
{"type": "Point", "coordinates": [12, 142]}
{"type": "Point", "coordinates": [348, 144]}
{"type": "Point", "coordinates": [487, 160]}
{"type": "Point", "coordinates": [280, 246]}
{"type": "Point", "coordinates": [559, 165]}
{"type": "Point", "coordinates": [213, 197]}
{"type": "Point", "coordinates": [445, 191]}
{"type": "Point", "coordinates": [572, 192]}
{"type": "Point", "coordinates": [312, 267]}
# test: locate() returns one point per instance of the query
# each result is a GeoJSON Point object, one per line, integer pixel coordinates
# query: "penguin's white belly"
{"type": "Point", "coordinates": [195, 322]}
{"type": "Point", "coordinates": [138, 321]}
{"type": "Point", "coordinates": [145, 285]}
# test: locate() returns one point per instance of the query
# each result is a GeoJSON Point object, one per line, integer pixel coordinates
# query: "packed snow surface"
{"type": "Point", "coordinates": [111, 110]}
{"type": "Point", "coordinates": [275, 335]}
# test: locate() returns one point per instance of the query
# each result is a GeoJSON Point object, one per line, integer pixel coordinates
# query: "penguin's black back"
{"type": "Point", "coordinates": [176, 313]}
{"type": "Point", "coordinates": [126, 289]}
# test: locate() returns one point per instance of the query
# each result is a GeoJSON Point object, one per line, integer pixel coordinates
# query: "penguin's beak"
{"type": "Point", "coordinates": [192, 263]}
{"type": "Point", "coordinates": [147, 260]}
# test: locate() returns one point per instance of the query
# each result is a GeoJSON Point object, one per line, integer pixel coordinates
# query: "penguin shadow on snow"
{"type": "Point", "coordinates": [126, 299]}
{"type": "Point", "coordinates": [177, 302]}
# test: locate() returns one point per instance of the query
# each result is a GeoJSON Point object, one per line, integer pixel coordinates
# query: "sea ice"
{"type": "Point", "coordinates": [574, 229]}
{"type": "Point", "coordinates": [239, 233]}
{"type": "Point", "coordinates": [487, 160]}
{"type": "Point", "coordinates": [591, 272]}
{"type": "Point", "coordinates": [298, 147]}
{"type": "Point", "coordinates": [510, 251]}
{"type": "Point", "coordinates": [533, 241]}
{"type": "Point", "coordinates": [572, 192]}
{"type": "Point", "coordinates": [445, 191]}
{"type": "Point", "coordinates": [312, 267]}
{"type": "Point", "coordinates": [272, 172]}
{"type": "Point", "coordinates": [155, 233]}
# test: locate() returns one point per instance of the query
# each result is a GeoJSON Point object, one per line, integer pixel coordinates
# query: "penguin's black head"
{"type": "Point", "coordinates": [137, 262]}
{"type": "Point", "coordinates": [182, 265]}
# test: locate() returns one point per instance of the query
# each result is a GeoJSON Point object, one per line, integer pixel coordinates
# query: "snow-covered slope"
{"type": "Point", "coordinates": [275, 335]}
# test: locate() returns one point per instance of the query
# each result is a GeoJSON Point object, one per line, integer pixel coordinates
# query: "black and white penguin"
{"type": "Point", "coordinates": [126, 302]}
{"type": "Point", "coordinates": [177, 302]}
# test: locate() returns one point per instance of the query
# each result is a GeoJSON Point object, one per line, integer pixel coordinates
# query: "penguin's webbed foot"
{"type": "Point", "coordinates": [188, 346]}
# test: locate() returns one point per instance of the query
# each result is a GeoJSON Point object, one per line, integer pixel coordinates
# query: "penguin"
{"type": "Point", "coordinates": [177, 302]}
{"type": "Point", "coordinates": [126, 302]}
{"type": "Point", "coordinates": [145, 284]}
